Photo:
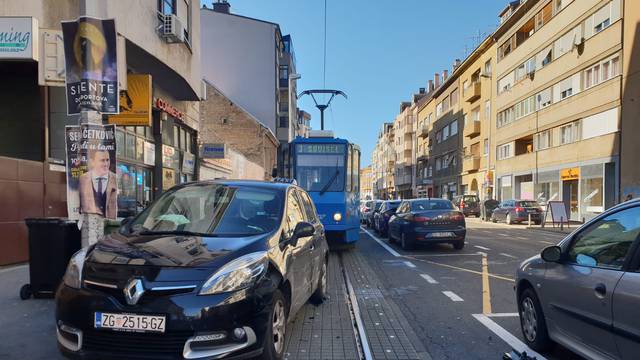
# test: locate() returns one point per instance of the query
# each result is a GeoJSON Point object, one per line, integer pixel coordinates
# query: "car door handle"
{"type": "Point", "coordinates": [601, 290]}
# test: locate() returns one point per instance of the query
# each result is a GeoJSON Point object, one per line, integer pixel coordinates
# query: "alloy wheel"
{"type": "Point", "coordinates": [278, 326]}
{"type": "Point", "coordinates": [529, 319]}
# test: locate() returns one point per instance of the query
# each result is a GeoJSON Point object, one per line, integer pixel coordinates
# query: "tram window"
{"type": "Point", "coordinates": [349, 169]}
{"type": "Point", "coordinates": [356, 170]}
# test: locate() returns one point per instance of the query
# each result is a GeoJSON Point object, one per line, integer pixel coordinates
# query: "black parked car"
{"type": "Point", "coordinates": [209, 270]}
{"type": "Point", "coordinates": [427, 221]}
{"type": "Point", "coordinates": [512, 211]}
{"type": "Point", "coordinates": [375, 206]}
{"type": "Point", "coordinates": [468, 204]}
{"type": "Point", "coordinates": [381, 218]}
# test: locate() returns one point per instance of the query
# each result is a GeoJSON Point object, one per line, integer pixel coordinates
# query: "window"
{"type": "Point", "coordinates": [570, 133]}
{"type": "Point", "coordinates": [506, 82]}
{"type": "Point", "coordinates": [454, 97]}
{"type": "Point", "coordinates": [486, 147]}
{"type": "Point", "coordinates": [520, 73]}
{"type": "Point", "coordinates": [606, 243]}
{"type": "Point", "coordinates": [487, 68]}
{"type": "Point", "coordinates": [454, 128]}
{"type": "Point", "coordinates": [438, 164]}
{"type": "Point", "coordinates": [284, 72]}
{"type": "Point", "coordinates": [543, 99]}
{"type": "Point", "coordinates": [438, 110]}
{"type": "Point", "coordinates": [487, 109]}
{"type": "Point", "coordinates": [284, 121]}
{"type": "Point", "coordinates": [602, 19]}
{"type": "Point", "coordinates": [446, 132]}
{"type": "Point", "coordinates": [430, 171]}
{"type": "Point", "coordinates": [505, 151]}
{"type": "Point", "coordinates": [542, 140]}
{"type": "Point", "coordinates": [307, 204]}
{"type": "Point", "coordinates": [530, 66]}
{"type": "Point", "coordinates": [167, 7]}
{"type": "Point", "coordinates": [294, 213]}
{"type": "Point", "coordinates": [445, 104]}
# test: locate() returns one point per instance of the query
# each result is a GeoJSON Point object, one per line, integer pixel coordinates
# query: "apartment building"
{"type": "Point", "coordinates": [404, 130]}
{"type": "Point", "coordinates": [559, 89]}
{"type": "Point", "coordinates": [366, 183]}
{"type": "Point", "coordinates": [150, 158]}
{"type": "Point", "coordinates": [476, 77]}
{"type": "Point", "coordinates": [383, 163]}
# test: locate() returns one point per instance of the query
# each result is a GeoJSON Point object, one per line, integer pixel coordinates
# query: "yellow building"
{"type": "Point", "coordinates": [366, 183]}
{"type": "Point", "coordinates": [558, 96]}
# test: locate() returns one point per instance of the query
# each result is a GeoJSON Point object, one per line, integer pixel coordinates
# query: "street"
{"type": "Point", "coordinates": [430, 303]}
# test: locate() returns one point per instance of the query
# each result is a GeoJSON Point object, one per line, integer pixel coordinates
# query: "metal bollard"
{"type": "Point", "coordinates": [561, 223]}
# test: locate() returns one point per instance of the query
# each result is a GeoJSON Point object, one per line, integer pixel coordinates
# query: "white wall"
{"type": "Point", "coordinates": [239, 58]}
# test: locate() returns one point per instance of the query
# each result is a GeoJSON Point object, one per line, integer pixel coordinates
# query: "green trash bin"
{"type": "Point", "coordinates": [52, 242]}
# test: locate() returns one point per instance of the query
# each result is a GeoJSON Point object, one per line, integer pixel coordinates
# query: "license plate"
{"type": "Point", "coordinates": [441, 234]}
{"type": "Point", "coordinates": [129, 322]}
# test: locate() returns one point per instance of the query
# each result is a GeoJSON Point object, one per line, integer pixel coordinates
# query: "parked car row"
{"type": "Point", "coordinates": [420, 221]}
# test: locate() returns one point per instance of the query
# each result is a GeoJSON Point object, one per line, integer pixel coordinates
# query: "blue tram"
{"type": "Point", "coordinates": [329, 169]}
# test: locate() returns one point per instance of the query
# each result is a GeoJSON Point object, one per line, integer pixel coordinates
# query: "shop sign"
{"type": "Point", "coordinates": [570, 174]}
{"type": "Point", "coordinates": [169, 157]}
{"type": "Point", "coordinates": [135, 102]}
{"type": "Point", "coordinates": [149, 153]}
{"type": "Point", "coordinates": [91, 65]}
{"type": "Point", "coordinates": [169, 109]}
{"type": "Point", "coordinates": [91, 170]}
{"type": "Point", "coordinates": [213, 151]}
{"type": "Point", "coordinates": [17, 36]}
{"type": "Point", "coordinates": [168, 179]}
{"type": "Point", "coordinates": [188, 163]}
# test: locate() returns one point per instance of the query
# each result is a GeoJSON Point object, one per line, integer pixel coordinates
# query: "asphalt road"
{"type": "Point", "coordinates": [461, 304]}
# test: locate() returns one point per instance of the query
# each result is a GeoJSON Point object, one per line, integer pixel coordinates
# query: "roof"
{"type": "Point", "coordinates": [301, 140]}
{"type": "Point", "coordinates": [246, 18]}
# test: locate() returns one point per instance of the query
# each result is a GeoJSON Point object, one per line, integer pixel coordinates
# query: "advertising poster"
{"type": "Point", "coordinates": [135, 102]}
{"type": "Point", "coordinates": [91, 65]}
{"type": "Point", "coordinates": [92, 186]}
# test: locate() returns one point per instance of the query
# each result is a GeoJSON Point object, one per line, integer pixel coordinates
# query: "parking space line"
{"type": "Point", "coordinates": [486, 290]}
{"type": "Point", "coordinates": [506, 336]}
{"type": "Point", "coordinates": [509, 256]}
{"type": "Point", "coordinates": [461, 269]}
{"type": "Point", "coordinates": [503, 315]}
{"type": "Point", "coordinates": [481, 247]}
{"type": "Point", "coordinates": [451, 295]}
{"type": "Point", "coordinates": [546, 242]}
{"type": "Point", "coordinates": [382, 243]}
{"type": "Point", "coordinates": [505, 235]}
{"type": "Point", "coordinates": [410, 264]}
{"type": "Point", "coordinates": [429, 279]}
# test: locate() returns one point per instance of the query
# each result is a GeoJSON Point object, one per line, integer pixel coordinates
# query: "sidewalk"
{"type": "Point", "coordinates": [547, 228]}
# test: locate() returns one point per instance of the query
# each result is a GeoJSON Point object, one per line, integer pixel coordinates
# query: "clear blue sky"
{"type": "Point", "coordinates": [378, 52]}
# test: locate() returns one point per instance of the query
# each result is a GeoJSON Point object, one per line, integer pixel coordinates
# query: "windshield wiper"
{"type": "Point", "coordinates": [175, 232]}
{"type": "Point", "coordinates": [326, 187]}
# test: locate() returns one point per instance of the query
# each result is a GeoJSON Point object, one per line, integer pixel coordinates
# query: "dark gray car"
{"type": "Point", "coordinates": [585, 292]}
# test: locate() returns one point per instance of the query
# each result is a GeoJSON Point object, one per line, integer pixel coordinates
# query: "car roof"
{"type": "Point", "coordinates": [240, 183]}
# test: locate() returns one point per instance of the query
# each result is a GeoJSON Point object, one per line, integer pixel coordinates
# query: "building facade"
{"type": "Point", "coordinates": [559, 91]}
{"type": "Point", "coordinates": [366, 183]}
{"type": "Point", "coordinates": [248, 144]}
{"type": "Point", "coordinates": [150, 158]}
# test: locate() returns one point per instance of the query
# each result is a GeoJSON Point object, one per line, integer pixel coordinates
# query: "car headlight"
{"type": "Point", "coordinates": [73, 275]}
{"type": "Point", "coordinates": [337, 216]}
{"type": "Point", "coordinates": [239, 274]}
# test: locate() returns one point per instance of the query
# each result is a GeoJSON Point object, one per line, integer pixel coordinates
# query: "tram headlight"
{"type": "Point", "coordinates": [337, 216]}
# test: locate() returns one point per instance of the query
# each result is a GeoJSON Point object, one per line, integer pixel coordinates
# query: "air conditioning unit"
{"type": "Point", "coordinates": [172, 29]}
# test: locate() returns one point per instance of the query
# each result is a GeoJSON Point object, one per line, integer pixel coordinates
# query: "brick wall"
{"type": "Point", "coordinates": [221, 121]}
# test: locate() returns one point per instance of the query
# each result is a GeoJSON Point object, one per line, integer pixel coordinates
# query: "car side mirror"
{"type": "Point", "coordinates": [303, 229]}
{"type": "Point", "coordinates": [551, 254]}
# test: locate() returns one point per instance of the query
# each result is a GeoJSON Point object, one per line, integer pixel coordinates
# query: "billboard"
{"type": "Point", "coordinates": [91, 65]}
{"type": "Point", "coordinates": [135, 102]}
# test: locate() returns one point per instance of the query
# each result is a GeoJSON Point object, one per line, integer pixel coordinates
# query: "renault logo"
{"type": "Point", "coordinates": [133, 291]}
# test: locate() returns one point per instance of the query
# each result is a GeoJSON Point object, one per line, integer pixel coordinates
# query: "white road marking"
{"type": "Point", "coordinates": [503, 315]}
{"type": "Point", "coordinates": [19, 267]}
{"type": "Point", "coordinates": [440, 255]}
{"type": "Point", "coordinates": [382, 243]}
{"type": "Point", "coordinates": [509, 256]}
{"type": "Point", "coordinates": [505, 235]}
{"type": "Point", "coordinates": [506, 336]}
{"type": "Point", "coordinates": [481, 247]}
{"type": "Point", "coordinates": [451, 295]}
{"type": "Point", "coordinates": [546, 242]}
{"type": "Point", "coordinates": [410, 264]}
{"type": "Point", "coordinates": [521, 238]}
{"type": "Point", "coordinates": [429, 279]}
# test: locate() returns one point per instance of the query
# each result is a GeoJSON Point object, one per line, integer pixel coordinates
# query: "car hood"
{"type": "Point", "coordinates": [169, 250]}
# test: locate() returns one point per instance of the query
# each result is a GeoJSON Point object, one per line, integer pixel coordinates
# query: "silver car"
{"type": "Point", "coordinates": [585, 293]}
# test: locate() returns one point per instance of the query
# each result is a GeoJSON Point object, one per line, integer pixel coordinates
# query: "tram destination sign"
{"type": "Point", "coordinates": [320, 148]}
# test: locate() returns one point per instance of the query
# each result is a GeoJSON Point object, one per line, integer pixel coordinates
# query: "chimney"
{"type": "Point", "coordinates": [445, 75]}
{"type": "Point", "coordinates": [431, 88]}
{"type": "Point", "coordinates": [436, 79]}
{"type": "Point", "coordinates": [422, 90]}
{"type": "Point", "coordinates": [456, 64]}
{"type": "Point", "coordinates": [222, 6]}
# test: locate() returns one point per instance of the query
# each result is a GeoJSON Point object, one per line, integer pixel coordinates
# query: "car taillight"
{"type": "Point", "coordinates": [456, 217]}
{"type": "Point", "coordinates": [519, 209]}
{"type": "Point", "coordinates": [421, 219]}
{"type": "Point", "coordinates": [461, 204]}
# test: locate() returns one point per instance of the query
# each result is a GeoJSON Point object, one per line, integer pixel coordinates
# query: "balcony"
{"type": "Point", "coordinates": [473, 92]}
{"type": "Point", "coordinates": [284, 83]}
{"type": "Point", "coordinates": [472, 129]}
{"type": "Point", "coordinates": [404, 179]}
{"type": "Point", "coordinates": [471, 163]}
{"type": "Point", "coordinates": [423, 132]}
{"type": "Point", "coordinates": [408, 146]}
{"type": "Point", "coordinates": [423, 155]}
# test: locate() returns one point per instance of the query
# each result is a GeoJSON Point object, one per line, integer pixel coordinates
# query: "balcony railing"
{"type": "Point", "coordinates": [473, 92]}
{"type": "Point", "coordinates": [423, 132]}
{"type": "Point", "coordinates": [472, 128]}
{"type": "Point", "coordinates": [471, 163]}
{"type": "Point", "coordinates": [404, 179]}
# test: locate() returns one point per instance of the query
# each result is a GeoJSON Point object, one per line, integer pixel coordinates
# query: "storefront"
{"type": "Point", "coordinates": [586, 189]}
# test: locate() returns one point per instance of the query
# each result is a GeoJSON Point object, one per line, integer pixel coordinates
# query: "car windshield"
{"type": "Point", "coordinates": [533, 204]}
{"type": "Point", "coordinates": [423, 205]}
{"type": "Point", "coordinates": [378, 205]}
{"type": "Point", "coordinates": [212, 210]}
{"type": "Point", "coordinates": [393, 204]}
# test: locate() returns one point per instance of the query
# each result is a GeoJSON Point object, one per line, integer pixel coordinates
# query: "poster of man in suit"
{"type": "Point", "coordinates": [91, 171]}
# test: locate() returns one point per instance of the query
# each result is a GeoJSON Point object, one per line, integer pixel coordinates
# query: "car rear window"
{"type": "Point", "coordinates": [470, 199]}
{"type": "Point", "coordinates": [378, 204]}
{"type": "Point", "coordinates": [533, 204]}
{"type": "Point", "coordinates": [423, 205]}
